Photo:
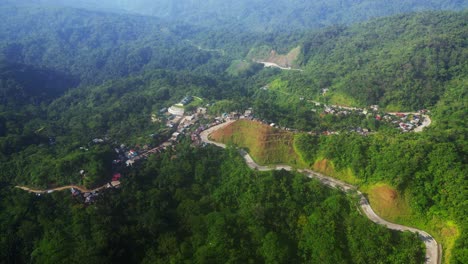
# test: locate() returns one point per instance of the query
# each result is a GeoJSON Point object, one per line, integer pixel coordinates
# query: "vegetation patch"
{"type": "Point", "coordinates": [391, 205]}
{"type": "Point", "coordinates": [266, 145]}
{"type": "Point", "coordinates": [387, 202]}
{"type": "Point", "coordinates": [326, 167]}
{"type": "Point", "coordinates": [342, 99]}
{"type": "Point", "coordinates": [238, 66]}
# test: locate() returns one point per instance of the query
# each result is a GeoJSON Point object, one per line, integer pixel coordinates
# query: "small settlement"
{"type": "Point", "coordinates": [406, 122]}
{"type": "Point", "coordinates": [191, 124]}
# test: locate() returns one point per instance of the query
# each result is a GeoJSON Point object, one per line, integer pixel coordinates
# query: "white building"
{"type": "Point", "coordinates": [178, 111]}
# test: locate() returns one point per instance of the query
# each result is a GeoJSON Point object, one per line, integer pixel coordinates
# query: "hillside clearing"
{"type": "Point", "coordinates": [267, 145]}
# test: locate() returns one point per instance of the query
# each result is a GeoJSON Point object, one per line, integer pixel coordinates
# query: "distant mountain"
{"type": "Point", "coordinates": [261, 15]}
{"type": "Point", "coordinates": [92, 45]}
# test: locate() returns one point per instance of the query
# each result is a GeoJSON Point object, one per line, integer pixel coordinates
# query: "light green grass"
{"type": "Point", "coordinates": [341, 99]}
{"type": "Point", "coordinates": [328, 168]}
{"type": "Point", "coordinates": [266, 145]}
{"type": "Point", "coordinates": [398, 210]}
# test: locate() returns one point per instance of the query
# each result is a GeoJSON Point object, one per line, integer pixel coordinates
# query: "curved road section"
{"type": "Point", "coordinates": [433, 250]}
{"type": "Point", "coordinates": [81, 189]}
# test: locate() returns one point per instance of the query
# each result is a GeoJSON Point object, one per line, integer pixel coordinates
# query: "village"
{"type": "Point", "coordinates": [190, 124]}
{"type": "Point", "coordinates": [405, 122]}
{"type": "Point", "coordinates": [180, 122]}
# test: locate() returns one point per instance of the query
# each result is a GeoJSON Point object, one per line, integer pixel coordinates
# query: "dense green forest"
{"type": "Point", "coordinates": [120, 110]}
{"type": "Point", "coordinates": [428, 168]}
{"type": "Point", "coordinates": [401, 63]}
{"type": "Point", "coordinates": [262, 15]}
{"type": "Point", "coordinates": [203, 204]}
{"type": "Point", "coordinates": [95, 46]}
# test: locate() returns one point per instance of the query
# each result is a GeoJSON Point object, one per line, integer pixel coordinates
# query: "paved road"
{"type": "Point", "coordinates": [274, 65]}
{"type": "Point", "coordinates": [433, 250]}
{"type": "Point", "coordinates": [80, 188]}
{"type": "Point", "coordinates": [427, 120]}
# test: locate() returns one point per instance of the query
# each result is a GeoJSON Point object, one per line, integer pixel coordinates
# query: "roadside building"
{"type": "Point", "coordinates": [177, 111]}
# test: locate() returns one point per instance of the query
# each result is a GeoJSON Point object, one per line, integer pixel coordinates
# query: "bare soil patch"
{"type": "Point", "coordinates": [388, 203]}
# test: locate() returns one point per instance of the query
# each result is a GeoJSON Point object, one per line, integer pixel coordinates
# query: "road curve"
{"type": "Point", "coordinates": [427, 120]}
{"type": "Point", "coordinates": [433, 250]}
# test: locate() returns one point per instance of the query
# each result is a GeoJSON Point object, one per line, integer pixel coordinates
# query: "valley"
{"type": "Point", "coordinates": [233, 132]}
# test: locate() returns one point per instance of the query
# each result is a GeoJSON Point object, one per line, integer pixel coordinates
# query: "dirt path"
{"type": "Point", "coordinates": [62, 188]}
{"type": "Point", "coordinates": [274, 65]}
{"type": "Point", "coordinates": [433, 250]}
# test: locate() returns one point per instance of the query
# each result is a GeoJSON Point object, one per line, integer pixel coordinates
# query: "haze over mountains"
{"type": "Point", "coordinates": [261, 15]}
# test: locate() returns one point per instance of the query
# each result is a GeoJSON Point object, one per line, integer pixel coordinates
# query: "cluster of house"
{"type": "Point", "coordinates": [124, 156]}
{"type": "Point", "coordinates": [247, 114]}
{"type": "Point", "coordinates": [343, 110]}
{"type": "Point", "coordinates": [186, 100]}
{"type": "Point", "coordinates": [177, 120]}
{"type": "Point", "coordinates": [86, 198]}
{"type": "Point", "coordinates": [404, 121]}
{"type": "Point", "coordinates": [361, 131]}
{"type": "Point", "coordinates": [128, 156]}
{"type": "Point", "coordinates": [195, 135]}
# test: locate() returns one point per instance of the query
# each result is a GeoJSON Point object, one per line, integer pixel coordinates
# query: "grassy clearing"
{"type": "Point", "coordinates": [393, 108]}
{"type": "Point", "coordinates": [279, 85]}
{"type": "Point", "coordinates": [197, 101]}
{"type": "Point", "coordinates": [393, 206]}
{"type": "Point", "coordinates": [265, 144]}
{"type": "Point", "coordinates": [387, 202]}
{"type": "Point", "coordinates": [342, 99]}
{"type": "Point", "coordinates": [326, 167]}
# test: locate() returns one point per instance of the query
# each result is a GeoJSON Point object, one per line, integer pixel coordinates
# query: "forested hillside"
{"type": "Point", "coordinates": [195, 203]}
{"type": "Point", "coordinates": [94, 46]}
{"type": "Point", "coordinates": [204, 206]}
{"type": "Point", "coordinates": [262, 15]}
{"type": "Point", "coordinates": [22, 85]}
{"type": "Point", "coordinates": [400, 63]}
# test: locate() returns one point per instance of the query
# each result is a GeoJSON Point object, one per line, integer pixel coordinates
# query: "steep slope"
{"type": "Point", "coordinates": [21, 84]}
{"type": "Point", "coordinates": [93, 46]}
{"type": "Point", "coordinates": [266, 144]}
{"type": "Point", "coordinates": [401, 63]}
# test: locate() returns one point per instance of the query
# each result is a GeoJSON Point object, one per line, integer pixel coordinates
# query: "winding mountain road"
{"type": "Point", "coordinates": [62, 188]}
{"type": "Point", "coordinates": [433, 250]}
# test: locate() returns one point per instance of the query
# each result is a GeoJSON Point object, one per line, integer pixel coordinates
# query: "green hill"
{"type": "Point", "coordinates": [401, 63]}
{"type": "Point", "coordinates": [202, 203]}
{"type": "Point", "coordinates": [263, 15]}
{"type": "Point", "coordinates": [94, 46]}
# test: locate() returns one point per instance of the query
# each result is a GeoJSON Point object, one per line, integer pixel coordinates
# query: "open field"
{"type": "Point", "coordinates": [267, 145]}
